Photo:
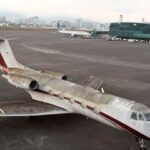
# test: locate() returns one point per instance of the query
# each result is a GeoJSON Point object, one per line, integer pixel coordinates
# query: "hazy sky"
{"type": "Point", "coordinates": [98, 10]}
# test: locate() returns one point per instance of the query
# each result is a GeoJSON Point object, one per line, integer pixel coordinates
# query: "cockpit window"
{"type": "Point", "coordinates": [147, 116]}
{"type": "Point", "coordinates": [134, 116]}
{"type": "Point", "coordinates": [141, 117]}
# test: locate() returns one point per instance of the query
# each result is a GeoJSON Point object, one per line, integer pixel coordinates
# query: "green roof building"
{"type": "Point", "coordinates": [127, 30]}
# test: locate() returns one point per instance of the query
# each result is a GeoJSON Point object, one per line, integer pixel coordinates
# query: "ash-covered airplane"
{"type": "Point", "coordinates": [52, 88]}
{"type": "Point", "coordinates": [82, 34]}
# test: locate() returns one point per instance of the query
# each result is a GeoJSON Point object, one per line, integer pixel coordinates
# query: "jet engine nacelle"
{"type": "Point", "coordinates": [29, 73]}
{"type": "Point", "coordinates": [55, 75]}
{"type": "Point", "coordinates": [22, 82]}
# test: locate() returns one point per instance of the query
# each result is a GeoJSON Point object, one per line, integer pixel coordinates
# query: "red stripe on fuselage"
{"type": "Point", "coordinates": [3, 64]}
{"type": "Point", "coordinates": [124, 126]}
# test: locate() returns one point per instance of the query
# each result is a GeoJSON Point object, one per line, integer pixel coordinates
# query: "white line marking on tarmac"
{"type": "Point", "coordinates": [11, 39]}
{"type": "Point", "coordinates": [94, 59]}
{"type": "Point", "coordinates": [47, 51]}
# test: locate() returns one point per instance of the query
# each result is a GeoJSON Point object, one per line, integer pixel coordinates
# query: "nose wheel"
{"type": "Point", "coordinates": [142, 144]}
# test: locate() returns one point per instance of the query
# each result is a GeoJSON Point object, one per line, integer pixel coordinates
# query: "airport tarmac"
{"type": "Point", "coordinates": [123, 67]}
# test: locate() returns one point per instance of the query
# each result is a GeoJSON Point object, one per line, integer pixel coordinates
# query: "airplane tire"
{"type": "Point", "coordinates": [143, 148]}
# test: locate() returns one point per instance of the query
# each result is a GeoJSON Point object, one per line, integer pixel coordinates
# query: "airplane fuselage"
{"type": "Point", "coordinates": [76, 33]}
{"type": "Point", "coordinates": [114, 111]}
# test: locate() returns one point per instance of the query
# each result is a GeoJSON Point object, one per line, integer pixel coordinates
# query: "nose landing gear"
{"type": "Point", "coordinates": [142, 144]}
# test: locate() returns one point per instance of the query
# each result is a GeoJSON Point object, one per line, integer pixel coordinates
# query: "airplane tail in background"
{"type": "Point", "coordinates": [7, 58]}
{"type": "Point", "coordinates": [59, 26]}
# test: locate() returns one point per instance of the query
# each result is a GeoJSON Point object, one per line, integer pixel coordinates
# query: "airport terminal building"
{"type": "Point", "coordinates": [130, 30]}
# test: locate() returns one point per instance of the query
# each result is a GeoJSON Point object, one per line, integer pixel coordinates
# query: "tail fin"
{"type": "Point", "coordinates": [59, 26]}
{"type": "Point", "coordinates": [7, 58]}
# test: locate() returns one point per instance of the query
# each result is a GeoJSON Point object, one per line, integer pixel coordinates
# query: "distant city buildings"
{"type": "Point", "coordinates": [37, 22]}
{"type": "Point", "coordinates": [90, 25]}
{"type": "Point", "coordinates": [30, 22]}
{"type": "Point", "coordinates": [3, 21]}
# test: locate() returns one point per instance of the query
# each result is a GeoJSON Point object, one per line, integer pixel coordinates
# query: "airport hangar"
{"type": "Point", "coordinates": [130, 30]}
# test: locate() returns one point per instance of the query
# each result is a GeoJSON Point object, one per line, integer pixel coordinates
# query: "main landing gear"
{"type": "Point", "coordinates": [142, 144]}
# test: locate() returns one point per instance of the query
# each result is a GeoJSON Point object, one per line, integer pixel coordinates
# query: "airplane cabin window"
{"type": "Point", "coordinates": [134, 116]}
{"type": "Point", "coordinates": [141, 117]}
{"type": "Point", "coordinates": [147, 116]}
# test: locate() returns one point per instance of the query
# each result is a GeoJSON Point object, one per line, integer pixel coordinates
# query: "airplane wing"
{"type": "Point", "coordinates": [28, 108]}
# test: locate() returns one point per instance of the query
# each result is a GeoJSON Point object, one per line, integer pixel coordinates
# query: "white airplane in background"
{"type": "Point", "coordinates": [82, 34]}
{"type": "Point", "coordinates": [52, 88]}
